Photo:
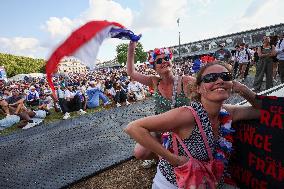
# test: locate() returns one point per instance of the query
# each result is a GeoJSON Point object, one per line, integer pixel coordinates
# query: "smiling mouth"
{"type": "Point", "coordinates": [219, 89]}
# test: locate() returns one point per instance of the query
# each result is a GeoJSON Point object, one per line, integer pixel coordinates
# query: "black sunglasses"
{"type": "Point", "coordinates": [160, 60]}
{"type": "Point", "coordinates": [212, 77]}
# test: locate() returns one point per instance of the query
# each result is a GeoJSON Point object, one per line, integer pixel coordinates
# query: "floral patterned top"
{"type": "Point", "coordinates": [163, 104]}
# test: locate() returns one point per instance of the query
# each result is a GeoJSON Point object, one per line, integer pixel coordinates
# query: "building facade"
{"type": "Point", "coordinates": [108, 64]}
{"type": "Point", "coordinates": [252, 37]}
{"type": "Point", "coordinates": [71, 65]}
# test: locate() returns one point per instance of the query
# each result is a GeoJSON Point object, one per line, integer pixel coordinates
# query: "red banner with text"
{"type": "Point", "coordinates": [258, 158]}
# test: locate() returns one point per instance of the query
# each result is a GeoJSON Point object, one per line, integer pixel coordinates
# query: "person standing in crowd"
{"type": "Point", "coordinates": [243, 60]}
{"type": "Point", "coordinates": [280, 56]}
{"type": "Point", "coordinates": [214, 85]}
{"type": "Point", "coordinates": [273, 41]}
{"type": "Point", "coordinates": [265, 65]}
{"type": "Point", "coordinates": [250, 54]}
{"type": "Point", "coordinates": [255, 56]}
{"type": "Point", "coordinates": [235, 54]}
{"type": "Point", "coordinates": [170, 91]}
{"type": "Point", "coordinates": [222, 54]}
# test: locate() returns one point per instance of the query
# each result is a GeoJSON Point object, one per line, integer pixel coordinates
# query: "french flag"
{"type": "Point", "coordinates": [84, 44]}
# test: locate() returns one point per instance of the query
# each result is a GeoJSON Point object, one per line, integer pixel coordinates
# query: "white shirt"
{"type": "Point", "coordinates": [242, 56]}
{"type": "Point", "coordinates": [112, 91]}
{"type": "Point", "coordinates": [134, 87]}
{"type": "Point", "coordinates": [68, 94]}
{"type": "Point", "coordinates": [60, 93]}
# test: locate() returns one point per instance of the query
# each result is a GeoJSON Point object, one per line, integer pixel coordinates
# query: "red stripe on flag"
{"type": "Point", "coordinates": [72, 43]}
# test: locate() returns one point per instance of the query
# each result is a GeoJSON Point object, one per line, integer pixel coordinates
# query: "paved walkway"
{"type": "Point", "coordinates": [55, 155]}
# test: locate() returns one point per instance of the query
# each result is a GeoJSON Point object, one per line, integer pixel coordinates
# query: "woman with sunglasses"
{"type": "Point", "coordinates": [169, 91]}
{"type": "Point", "coordinates": [213, 86]}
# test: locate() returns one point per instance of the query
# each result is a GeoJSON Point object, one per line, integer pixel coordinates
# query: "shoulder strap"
{"type": "Point", "coordinates": [182, 84]}
{"type": "Point", "coordinates": [159, 80]}
{"type": "Point", "coordinates": [174, 92]}
{"type": "Point", "coordinates": [176, 137]}
{"type": "Point", "coordinates": [175, 148]}
{"type": "Point", "coordinates": [197, 119]}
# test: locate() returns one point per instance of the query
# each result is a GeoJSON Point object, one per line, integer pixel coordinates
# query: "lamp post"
{"type": "Point", "coordinates": [178, 38]}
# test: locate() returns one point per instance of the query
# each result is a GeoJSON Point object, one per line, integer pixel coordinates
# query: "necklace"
{"type": "Point", "coordinates": [224, 143]}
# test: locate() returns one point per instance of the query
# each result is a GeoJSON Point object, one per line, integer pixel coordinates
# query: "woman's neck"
{"type": "Point", "coordinates": [212, 108]}
{"type": "Point", "coordinates": [168, 77]}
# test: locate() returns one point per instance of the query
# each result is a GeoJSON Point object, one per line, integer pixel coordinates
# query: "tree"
{"type": "Point", "coordinates": [121, 51]}
{"type": "Point", "coordinates": [19, 64]}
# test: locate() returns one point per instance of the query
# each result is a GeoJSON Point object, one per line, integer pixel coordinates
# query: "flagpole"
{"type": "Point", "coordinates": [178, 38]}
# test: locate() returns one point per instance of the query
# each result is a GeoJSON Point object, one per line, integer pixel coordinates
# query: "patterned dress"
{"type": "Point", "coordinates": [194, 143]}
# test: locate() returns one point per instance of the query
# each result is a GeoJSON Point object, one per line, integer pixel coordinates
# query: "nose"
{"type": "Point", "coordinates": [219, 80]}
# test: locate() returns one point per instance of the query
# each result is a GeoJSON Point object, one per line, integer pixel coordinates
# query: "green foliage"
{"type": "Point", "coordinates": [21, 65]}
{"type": "Point", "coordinates": [121, 51]}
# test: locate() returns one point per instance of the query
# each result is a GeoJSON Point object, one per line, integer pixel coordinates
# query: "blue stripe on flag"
{"type": "Point", "coordinates": [124, 34]}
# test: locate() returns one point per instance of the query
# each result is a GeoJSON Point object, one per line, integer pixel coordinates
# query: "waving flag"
{"type": "Point", "coordinates": [84, 44]}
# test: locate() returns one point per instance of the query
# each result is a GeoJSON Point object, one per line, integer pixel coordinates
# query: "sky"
{"type": "Point", "coordinates": [35, 28]}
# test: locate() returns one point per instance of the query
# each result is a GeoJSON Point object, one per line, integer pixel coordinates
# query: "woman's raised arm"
{"type": "Point", "coordinates": [244, 112]}
{"type": "Point", "coordinates": [144, 79]}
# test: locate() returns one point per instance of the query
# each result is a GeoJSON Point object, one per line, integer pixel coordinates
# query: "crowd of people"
{"type": "Point", "coordinates": [192, 90]}
{"type": "Point", "coordinates": [75, 93]}
{"type": "Point", "coordinates": [78, 92]}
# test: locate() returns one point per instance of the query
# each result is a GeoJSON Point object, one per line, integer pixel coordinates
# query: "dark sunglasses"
{"type": "Point", "coordinates": [160, 60]}
{"type": "Point", "coordinates": [212, 77]}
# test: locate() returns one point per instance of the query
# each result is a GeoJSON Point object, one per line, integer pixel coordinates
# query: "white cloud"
{"type": "Point", "coordinates": [98, 10]}
{"type": "Point", "coordinates": [259, 14]}
{"type": "Point", "coordinates": [203, 2]}
{"type": "Point", "coordinates": [58, 27]}
{"type": "Point", "coordinates": [20, 46]}
{"type": "Point", "coordinates": [107, 10]}
{"type": "Point", "coordinates": [159, 14]}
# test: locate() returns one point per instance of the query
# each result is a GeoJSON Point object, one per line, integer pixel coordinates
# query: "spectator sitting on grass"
{"type": "Point", "coordinates": [80, 92]}
{"type": "Point", "coordinates": [94, 94]}
{"type": "Point", "coordinates": [45, 102]}
{"type": "Point", "coordinates": [32, 97]}
{"type": "Point", "coordinates": [14, 105]}
{"type": "Point", "coordinates": [119, 94]}
{"type": "Point", "coordinates": [71, 102]}
{"type": "Point", "coordinates": [135, 90]}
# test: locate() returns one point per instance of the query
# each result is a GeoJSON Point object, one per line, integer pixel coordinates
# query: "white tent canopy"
{"type": "Point", "coordinates": [22, 76]}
